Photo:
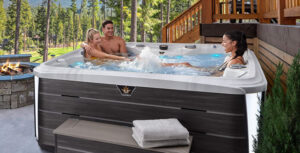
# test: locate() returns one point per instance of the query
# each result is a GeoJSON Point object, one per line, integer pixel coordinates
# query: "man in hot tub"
{"type": "Point", "coordinates": [107, 47]}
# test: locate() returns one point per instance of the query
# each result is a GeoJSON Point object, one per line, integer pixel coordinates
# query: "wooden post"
{"type": "Point", "coordinates": [255, 43]}
{"type": "Point", "coordinates": [267, 6]}
{"type": "Point", "coordinates": [281, 19]}
{"type": "Point", "coordinates": [164, 35]}
{"type": "Point", "coordinates": [217, 7]}
{"type": "Point", "coordinates": [243, 6]}
{"type": "Point", "coordinates": [171, 34]}
{"type": "Point", "coordinates": [207, 11]}
{"type": "Point", "coordinates": [234, 7]}
{"type": "Point", "coordinates": [226, 7]}
{"type": "Point", "coordinates": [252, 7]}
{"type": "Point", "coordinates": [199, 15]}
{"type": "Point", "coordinates": [258, 4]}
{"type": "Point", "coordinates": [262, 11]}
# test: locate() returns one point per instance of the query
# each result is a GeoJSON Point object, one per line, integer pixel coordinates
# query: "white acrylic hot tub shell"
{"type": "Point", "coordinates": [252, 82]}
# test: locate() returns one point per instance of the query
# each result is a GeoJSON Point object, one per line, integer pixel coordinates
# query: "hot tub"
{"type": "Point", "coordinates": [220, 112]}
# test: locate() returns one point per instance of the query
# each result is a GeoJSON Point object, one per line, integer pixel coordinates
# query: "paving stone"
{"type": "Point", "coordinates": [6, 98]}
{"type": "Point", "coordinates": [22, 98]}
{"type": "Point", "coordinates": [19, 86]}
{"type": "Point", "coordinates": [5, 84]}
{"type": "Point", "coordinates": [14, 101]}
{"type": "Point", "coordinates": [30, 97]}
{"type": "Point", "coordinates": [5, 91]}
{"type": "Point", "coordinates": [4, 104]}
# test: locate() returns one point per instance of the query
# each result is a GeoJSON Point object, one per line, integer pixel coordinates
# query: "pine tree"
{"type": "Point", "coordinates": [122, 19]}
{"type": "Point", "coordinates": [2, 21]}
{"type": "Point", "coordinates": [74, 9]}
{"type": "Point", "coordinates": [279, 122]}
{"type": "Point", "coordinates": [133, 32]}
{"type": "Point", "coordinates": [168, 12]}
{"type": "Point", "coordinates": [26, 21]}
{"type": "Point", "coordinates": [45, 57]}
{"type": "Point", "coordinates": [10, 31]}
{"type": "Point", "coordinates": [60, 32]}
{"type": "Point", "coordinates": [78, 30]}
{"type": "Point", "coordinates": [17, 32]}
{"type": "Point", "coordinates": [274, 123]}
{"type": "Point", "coordinates": [84, 18]}
{"type": "Point", "coordinates": [292, 105]}
{"type": "Point", "coordinates": [93, 8]}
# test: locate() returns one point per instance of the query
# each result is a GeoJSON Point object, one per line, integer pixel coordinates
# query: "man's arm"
{"type": "Point", "coordinates": [101, 54]}
{"type": "Point", "coordinates": [123, 49]}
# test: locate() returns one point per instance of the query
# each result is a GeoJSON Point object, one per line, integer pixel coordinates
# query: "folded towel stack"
{"type": "Point", "coordinates": [158, 133]}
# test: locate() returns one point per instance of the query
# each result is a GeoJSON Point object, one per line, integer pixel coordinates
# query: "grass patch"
{"type": "Point", "coordinates": [37, 58]}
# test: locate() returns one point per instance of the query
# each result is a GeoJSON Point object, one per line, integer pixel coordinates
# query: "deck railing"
{"type": "Point", "coordinates": [285, 11]}
{"type": "Point", "coordinates": [184, 23]}
{"type": "Point", "coordinates": [292, 8]}
{"type": "Point", "coordinates": [270, 9]}
{"type": "Point", "coordinates": [236, 9]}
{"type": "Point", "coordinates": [185, 27]}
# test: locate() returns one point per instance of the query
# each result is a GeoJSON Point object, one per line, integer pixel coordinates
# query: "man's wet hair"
{"type": "Point", "coordinates": [106, 22]}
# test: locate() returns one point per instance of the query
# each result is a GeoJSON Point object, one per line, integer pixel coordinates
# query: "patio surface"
{"type": "Point", "coordinates": [17, 131]}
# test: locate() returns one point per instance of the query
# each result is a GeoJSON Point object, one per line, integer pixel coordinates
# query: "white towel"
{"type": "Point", "coordinates": [161, 129]}
{"type": "Point", "coordinates": [159, 143]}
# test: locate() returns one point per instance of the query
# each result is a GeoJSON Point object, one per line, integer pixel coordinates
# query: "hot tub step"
{"type": "Point", "coordinates": [82, 136]}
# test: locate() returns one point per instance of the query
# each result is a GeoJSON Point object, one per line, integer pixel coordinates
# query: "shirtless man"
{"type": "Point", "coordinates": [93, 50]}
{"type": "Point", "coordinates": [111, 44]}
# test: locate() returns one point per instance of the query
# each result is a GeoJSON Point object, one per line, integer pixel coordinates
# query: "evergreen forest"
{"type": "Point", "coordinates": [68, 24]}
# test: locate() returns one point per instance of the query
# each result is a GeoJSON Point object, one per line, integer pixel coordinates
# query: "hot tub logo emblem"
{"type": "Point", "coordinates": [126, 90]}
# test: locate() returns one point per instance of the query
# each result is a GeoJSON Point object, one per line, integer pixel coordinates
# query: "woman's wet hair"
{"type": "Point", "coordinates": [90, 34]}
{"type": "Point", "coordinates": [240, 38]}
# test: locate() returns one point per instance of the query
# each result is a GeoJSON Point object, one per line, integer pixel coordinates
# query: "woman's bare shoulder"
{"type": "Point", "coordinates": [238, 60]}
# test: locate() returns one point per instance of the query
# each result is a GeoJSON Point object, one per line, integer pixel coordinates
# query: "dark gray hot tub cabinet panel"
{"type": "Point", "coordinates": [217, 122]}
{"type": "Point", "coordinates": [85, 136]}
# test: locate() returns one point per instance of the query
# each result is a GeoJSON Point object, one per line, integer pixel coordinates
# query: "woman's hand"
{"type": "Point", "coordinates": [86, 47]}
{"type": "Point", "coordinates": [127, 59]}
{"type": "Point", "coordinates": [187, 64]}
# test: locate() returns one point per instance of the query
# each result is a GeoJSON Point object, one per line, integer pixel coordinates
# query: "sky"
{"type": "Point", "coordinates": [65, 3]}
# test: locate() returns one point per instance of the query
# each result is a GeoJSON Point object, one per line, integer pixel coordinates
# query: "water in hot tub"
{"type": "Point", "coordinates": [148, 62]}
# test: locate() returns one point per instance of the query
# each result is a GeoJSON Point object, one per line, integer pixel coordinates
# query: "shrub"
{"type": "Point", "coordinates": [279, 124]}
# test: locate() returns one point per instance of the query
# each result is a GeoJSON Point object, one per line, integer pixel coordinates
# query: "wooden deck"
{"type": "Point", "coordinates": [275, 41]}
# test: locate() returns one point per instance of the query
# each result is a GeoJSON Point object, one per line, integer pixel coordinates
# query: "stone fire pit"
{"type": "Point", "coordinates": [18, 90]}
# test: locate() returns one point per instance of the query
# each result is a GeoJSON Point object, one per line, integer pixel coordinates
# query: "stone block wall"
{"type": "Point", "coordinates": [15, 58]}
{"type": "Point", "coordinates": [16, 93]}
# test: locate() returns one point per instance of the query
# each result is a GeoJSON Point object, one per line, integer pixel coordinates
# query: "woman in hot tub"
{"type": "Point", "coordinates": [235, 43]}
{"type": "Point", "coordinates": [92, 47]}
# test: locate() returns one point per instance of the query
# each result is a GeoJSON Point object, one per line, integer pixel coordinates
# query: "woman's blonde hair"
{"type": "Point", "coordinates": [90, 34]}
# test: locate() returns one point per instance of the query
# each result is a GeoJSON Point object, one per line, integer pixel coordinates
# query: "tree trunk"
{"type": "Point", "coordinates": [77, 31]}
{"type": "Point", "coordinates": [17, 27]}
{"type": "Point", "coordinates": [143, 33]}
{"type": "Point", "coordinates": [74, 30]}
{"type": "Point", "coordinates": [93, 22]}
{"type": "Point", "coordinates": [162, 20]}
{"type": "Point", "coordinates": [47, 32]}
{"type": "Point", "coordinates": [168, 12]}
{"type": "Point", "coordinates": [104, 9]}
{"type": "Point", "coordinates": [24, 45]}
{"type": "Point", "coordinates": [133, 21]}
{"type": "Point", "coordinates": [64, 39]}
{"type": "Point", "coordinates": [151, 37]}
{"type": "Point", "coordinates": [122, 19]}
